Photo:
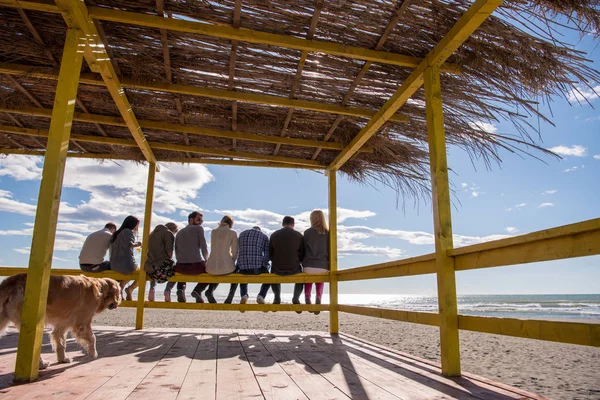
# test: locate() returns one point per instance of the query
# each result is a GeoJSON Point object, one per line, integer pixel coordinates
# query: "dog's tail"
{"type": "Point", "coordinates": [12, 292]}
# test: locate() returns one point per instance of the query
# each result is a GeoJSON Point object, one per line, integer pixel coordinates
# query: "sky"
{"type": "Point", "coordinates": [517, 196]}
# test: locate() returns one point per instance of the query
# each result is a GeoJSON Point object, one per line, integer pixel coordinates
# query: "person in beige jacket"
{"type": "Point", "coordinates": [223, 250]}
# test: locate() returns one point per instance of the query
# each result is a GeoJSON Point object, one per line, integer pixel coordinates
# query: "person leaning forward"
{"type": "Point", "coordinates": [91, 258]}
{"type": "Point", "coordinates": [286, 251]}
{"type": "Point", "coordinates": [159, 261]}
{"type": "Point", "coordinates": [191, 252]}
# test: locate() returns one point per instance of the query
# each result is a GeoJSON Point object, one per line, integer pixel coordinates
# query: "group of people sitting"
{"type": "Point", "coordinates": [286, 252]}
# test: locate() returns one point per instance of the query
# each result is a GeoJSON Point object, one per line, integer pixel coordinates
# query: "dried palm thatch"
{"type": "Point", "coordinates": [513, 62]}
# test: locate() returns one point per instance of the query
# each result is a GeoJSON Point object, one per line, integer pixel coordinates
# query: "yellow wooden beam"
{"type": "Point", "coordinates": [397, 315]}
{"type": "Point", "coordinates": [167, 146]}
{"type": "Point", "coordinates": [139, 316]}
{"type": "Point", "coordinates": [410, 266]}
{"type": "Point", "coordinates": [586, 243]}
{"type": "Point", "coordinates": [554, 331]}
{"type": "Point", "coordinates": [442, 221]}
{"type": "Point", "coordinates": [464, 27]}
{"type": "Point", "coordinates": [334, 325]}
{"type": "Point", "coordinates": [37, 5]}
{"type": "Point", "coordinates": [181, 160]}
{"type": "Point", "coordinates": [96, 80]}
{"type": "Point", "coordinates": [99, 61]}
{"type": "Point", "coordinates": [44, 230]}
{"type": "Point", "coordinates": [231, 278]}
{"type": "Point", "coordinates": [188, 129]}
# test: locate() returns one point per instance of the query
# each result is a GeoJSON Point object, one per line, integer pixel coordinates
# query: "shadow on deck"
{"type": "Point", "coordinates": [222, 364]}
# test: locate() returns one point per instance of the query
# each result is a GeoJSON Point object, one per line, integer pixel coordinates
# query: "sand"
{"type": "Point", "coordinates": [555, 370]}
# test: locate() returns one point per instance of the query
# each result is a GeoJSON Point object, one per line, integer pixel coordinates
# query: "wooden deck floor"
{"type": "Point", "coordinates": [239, 364]}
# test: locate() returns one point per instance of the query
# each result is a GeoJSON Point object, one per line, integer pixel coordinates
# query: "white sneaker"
{"type": "Point", "coordinates": [260, 299]}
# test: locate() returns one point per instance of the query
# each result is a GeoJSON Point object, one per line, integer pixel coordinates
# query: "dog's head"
{"type": "Point", "coordinates": [111, 294]}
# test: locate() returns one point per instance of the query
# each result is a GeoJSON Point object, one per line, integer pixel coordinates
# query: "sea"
{"type": "Point", "coordinates": [580, 307]}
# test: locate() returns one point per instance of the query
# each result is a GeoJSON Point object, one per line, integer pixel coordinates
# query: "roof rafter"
{"type": "Point", "coordinates": [164, 39]}
{"type": "Point", "coordinates": [94, 79]}
{"type": "Point", "coordinates": [309, 36]}
{"type": "Point", "coordinates": [186, 129]}
{"type": "Point", "coordinates": [168, 146]}
{"type": "Point", "coordinates": [110, 156]}
{"type": "Point", "coordinates": [363, 71]}
{"type": "Point", "coordinates": [242, 34]}
{"type": "Point", "coordinates": [479, 11]}
{"type": "Point", "coordinates": [99, 61]}
{"type": "Point", "coordinates": [237, 11]}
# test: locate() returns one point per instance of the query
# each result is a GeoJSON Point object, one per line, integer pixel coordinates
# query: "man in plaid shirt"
{"type": "Point", "coordinates": [253, 259]}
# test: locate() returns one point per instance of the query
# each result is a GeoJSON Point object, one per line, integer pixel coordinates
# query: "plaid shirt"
{"type": "Point", "coordinates": [253, 249]}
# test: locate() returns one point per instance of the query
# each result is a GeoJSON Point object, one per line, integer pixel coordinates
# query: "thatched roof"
{"type": "Point", "coordinates": [511, 62]}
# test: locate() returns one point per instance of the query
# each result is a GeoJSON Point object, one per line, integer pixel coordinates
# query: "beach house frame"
{"type": "Point", "coordinates": [84, 40]}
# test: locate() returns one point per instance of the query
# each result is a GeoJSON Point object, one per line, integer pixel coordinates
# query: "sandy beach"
{"type": "Point", "coordinates": [555, 370]}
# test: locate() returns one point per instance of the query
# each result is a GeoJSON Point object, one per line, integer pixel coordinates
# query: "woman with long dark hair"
{"type": "Point", "coordinates": [122, 244]}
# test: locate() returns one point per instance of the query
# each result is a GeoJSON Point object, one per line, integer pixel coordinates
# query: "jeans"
{"type": "Point", "coordinates": [103, 266]}
{"type": "Point", "coordinates": [276, 287]}
{"type": "Point", "coordinates": [254, 271]}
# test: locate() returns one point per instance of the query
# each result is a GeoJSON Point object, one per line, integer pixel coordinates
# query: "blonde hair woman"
{"type": "Point", "coordinates": [316, 257]}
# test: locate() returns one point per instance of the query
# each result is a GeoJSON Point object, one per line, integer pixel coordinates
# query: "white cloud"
{"type": "Point", "coordinates": [483, 126]}
{"type": "Point", "coordinates": [546, 205]}
{"type": "Point", "coordinates": [570, 169]}
{"type": "Point", "coordinates": [516, 206]}
{"type": "Point", "coordinates": [21, 168]}
{"type": "Point", "coordinates": [25, 250]}
{"type": "Point", "coordinates": [511, 230]}
{"type": "Point", "coordinates": [9, 205]}
{"type": "Point", "coordinates": [474, 194]}
{"type": "Point", "coordinates": [552, 191]}
{"type": "Point", "coordinates": [575, 150]}
{"type": "Point", "coordinates": [597, 157]}
{"type": "Point", "coordinates": [584, 94]}
{"type": "Point", "coordinates": [464, 185]}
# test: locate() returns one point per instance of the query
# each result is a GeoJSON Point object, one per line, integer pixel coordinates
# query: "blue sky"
{"type": "Point", "coordinates": [516, 197]}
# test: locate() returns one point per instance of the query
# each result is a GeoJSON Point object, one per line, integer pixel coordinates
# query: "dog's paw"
{"type": "Point", "coordinates": [94, 355]}
{"type": "Point", "coordinates": [65, 360]}
{"type": "Point", "coordinates": [44, 364]}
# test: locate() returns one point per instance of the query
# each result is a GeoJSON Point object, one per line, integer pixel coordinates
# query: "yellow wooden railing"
{"type": "Point", "coordinates": [575, 240]}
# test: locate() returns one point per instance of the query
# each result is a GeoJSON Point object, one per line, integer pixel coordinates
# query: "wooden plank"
{"type": "Point", "coordinates": [83, 376]}
{"type": "Point", "coordinates": [334, 324]}
{"type": "Point", "coordinates": [422, 371]}
{"type": "Point", "coordinates": [235, 378]}
{"type": "Point", "coordinates": [409, 266]}
{"type": "Point", "coordinates": [139, 315]}
{"type": "Point", "coordinates": [345, 379]}
{"type": "Point", "coordinates": [186, 129]}
{"type": "Point", "coordinates": [166, 378]}
{"type": "Point", "coordinates": [167, 146]}
{"type": "Point", "coordinates": [479, 11]}
{"type": "Point", "coordinates": [96, 80]}
{"type": "Point", "coordinates": [557, 248]}
{"type": "Point", "coordinates": [231, 278]}
{"type": "Point", "coordinates": [313, 384]}
{"type": "Point", "coordinates": [586, 334]}
{"type": "Point", "coordinates": [140, 364]}
{"type": "Point", "coordinates": [201, 377]}
{"type": "Point", "coordinates": [272, 379]}
{"type": "Point", "coordinates": [397, 315]}
{"type": "Point", "coordinates": [44, 231]}
{"type": "Point", "coordinates": [100, 62]}
{"type": "Point", "coordinates": [442, 223]}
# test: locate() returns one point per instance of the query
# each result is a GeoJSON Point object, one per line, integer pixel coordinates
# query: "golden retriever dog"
{"type": "Point", "coordinates": [72, 303]}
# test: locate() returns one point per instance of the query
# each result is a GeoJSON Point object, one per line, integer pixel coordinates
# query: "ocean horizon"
{"type": "Point", "coordinates": [526, 306]}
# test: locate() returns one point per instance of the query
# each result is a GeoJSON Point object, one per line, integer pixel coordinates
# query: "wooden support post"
{"type": "Point", "coordinates": [334, 324]}
{"type": "Point", "coordinates": [44, 231]}
{"type": "Point", "coordinates": [139, 318]}
{"type": "Point", "coordinates": [442, 220]}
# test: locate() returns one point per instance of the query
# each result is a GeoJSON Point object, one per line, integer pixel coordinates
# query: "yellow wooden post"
{"type": "Point", "coordinates": [139, 318]}
{"type": "Point", "coordinates": [334, 324]}
{"type": "Point", "coordinates": [442, 220]}
{"type": "Point", "coordinates": [44, 231]}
